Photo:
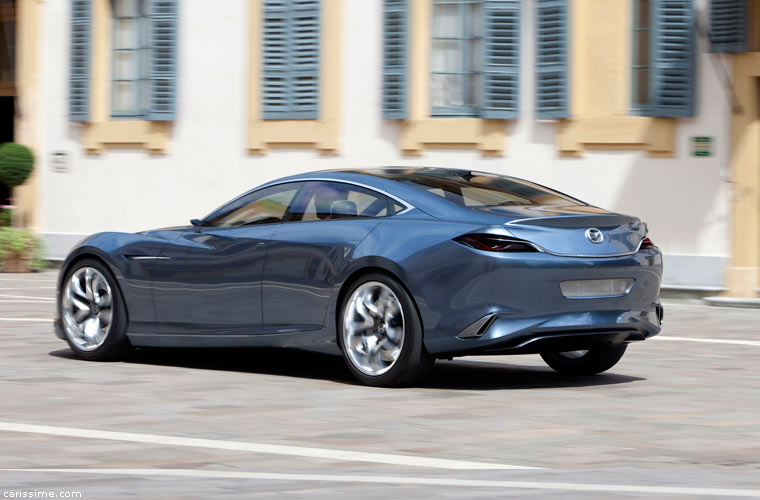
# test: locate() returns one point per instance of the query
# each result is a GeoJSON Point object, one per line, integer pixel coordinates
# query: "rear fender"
{"type": "Point", "coordinates": [406, 258]}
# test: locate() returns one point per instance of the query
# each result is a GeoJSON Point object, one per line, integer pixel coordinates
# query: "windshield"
{"type": "Point", "coordinates": [478, 189]}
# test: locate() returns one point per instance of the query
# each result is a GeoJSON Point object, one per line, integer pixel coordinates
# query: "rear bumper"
{"type": "Point", "coordinates": [523, 292]}
{"type": "Point", "coordinates": [534, 344]}
{"type": "Point", "coordinates": [511, 334]}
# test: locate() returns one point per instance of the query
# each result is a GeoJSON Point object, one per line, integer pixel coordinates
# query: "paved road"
{"type": "Point", "coordinates": [676, 418]}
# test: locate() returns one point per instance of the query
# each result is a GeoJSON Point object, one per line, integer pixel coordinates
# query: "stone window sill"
{"type": "Point", "coordinates": [655, 135]}
{"type": "Point", "coordinates": [151, 136]}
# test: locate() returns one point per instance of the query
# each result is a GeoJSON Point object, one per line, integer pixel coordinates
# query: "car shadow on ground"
{"type": "Point", "coordinates": [457, 374]}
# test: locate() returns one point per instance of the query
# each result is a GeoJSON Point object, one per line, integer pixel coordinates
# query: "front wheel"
{"type": "Point", "coordinates": [380, 333]}
{"type": "Point", "coordinates": [93, 314]}
{"type": "Point", "coordinates": [588, 362]}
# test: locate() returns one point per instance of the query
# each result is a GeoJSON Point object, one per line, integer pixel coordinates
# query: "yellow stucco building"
{"type": "Point", "coordinates": [592, 97]}
{"type": "Point", "coordinates": [743, 273]}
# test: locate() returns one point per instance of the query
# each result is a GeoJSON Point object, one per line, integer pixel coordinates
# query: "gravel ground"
{"type": "Point", "coordinates": [676, 418]}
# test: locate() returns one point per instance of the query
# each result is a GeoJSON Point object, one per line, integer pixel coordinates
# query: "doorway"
{"type": "Point", "coordinates": [7, 81]}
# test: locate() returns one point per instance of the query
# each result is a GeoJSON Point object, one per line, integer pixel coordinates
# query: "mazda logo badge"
{"type": "Point", "coordinates": [594, 235]}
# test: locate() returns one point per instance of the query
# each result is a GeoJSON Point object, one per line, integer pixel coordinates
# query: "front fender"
{"type": "Point", "coordinates": [116, 251]}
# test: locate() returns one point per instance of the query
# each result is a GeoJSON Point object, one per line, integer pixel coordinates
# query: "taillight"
{"type": "Point", "coordinates": [495, 243]}
{"type": "Point", "coordinates": [647, 244]}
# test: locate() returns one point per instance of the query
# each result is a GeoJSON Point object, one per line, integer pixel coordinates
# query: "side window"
{"type": "Point", "coordinates": [335, 200]}
{"type": "Point", "coordinates": [265, 206]}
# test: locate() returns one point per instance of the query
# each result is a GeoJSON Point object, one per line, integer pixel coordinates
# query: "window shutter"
{"type": "Point", "coordinates": [275, 59]}
{"type": "Point", "coordinates": [395, 29]}
{"type": "Point", "coordinates": [728, 26]}
{"type": "Point", "coordinates": [290, 55]}
{"type": "Point", "coordinates": [673, 67]}
{"type": "Point", "coordinates": [501, 59]}
{"type": "Point", "coordinates": [551, 59]}
{"type": "Point", "coordinates": [163, 65]}
{"type": "Point", "coordinates": [79, 77]}
{"type": "Point", "coordinates": [304, 61]}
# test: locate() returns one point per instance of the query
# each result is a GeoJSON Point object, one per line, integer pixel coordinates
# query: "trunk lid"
{"type": "Point", "coordinates": [573, 230]}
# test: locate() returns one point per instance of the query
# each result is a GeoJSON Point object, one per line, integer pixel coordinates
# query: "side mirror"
{"type": "Point", "coordinates": [197, 224]}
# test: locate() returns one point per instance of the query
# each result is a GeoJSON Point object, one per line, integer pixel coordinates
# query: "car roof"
{"type": "Point", "coordinates": [388, 180]}
{"type": "Point", "coordinates": [396, 182]}
{"type": "Point", "coordinates": [408, 173]}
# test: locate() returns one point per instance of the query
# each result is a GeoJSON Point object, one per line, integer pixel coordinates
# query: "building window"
{"type": "Point", "coordinates": [141, 56]}
{"type": "Point", "coordinates": [456, 55]}
{"type": "Point", "coordinates": [451, 70]}
{"type": "Point", "coordinates": [642, 43]}
{"type": "Point", "coordinates": [663, 70]}
{"type": "Point", "coordinates": [131, 58]}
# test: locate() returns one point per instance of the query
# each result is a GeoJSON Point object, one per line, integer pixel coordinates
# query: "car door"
{"type": "Point", "coordinates": [209, 278]}
{"type": "Point", "coordinates": [325, 223]}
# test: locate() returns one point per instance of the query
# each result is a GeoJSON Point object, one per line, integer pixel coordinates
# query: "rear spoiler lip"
{"type": "Point", "coordinates": [558, 254]}
{"type": "Point", "coordinates": [601, 256]}
{"type": "Point", "coordinates": [527, 220]}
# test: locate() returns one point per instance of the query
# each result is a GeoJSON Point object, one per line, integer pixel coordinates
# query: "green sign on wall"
{"type": "Point", "coordinates": [701, 146]}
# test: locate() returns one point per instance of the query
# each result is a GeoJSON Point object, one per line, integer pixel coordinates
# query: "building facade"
{"type": "Point", "coordinates": [147, 113]}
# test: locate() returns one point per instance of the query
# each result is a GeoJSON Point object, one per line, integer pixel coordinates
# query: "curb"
{"type": "Point", "coordinates": [732, 302]}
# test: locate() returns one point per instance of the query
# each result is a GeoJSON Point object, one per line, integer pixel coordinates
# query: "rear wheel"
{"type": "Point", "coordinates": [588, 362]}
{"type": "Point", "coordinates": [380, 333]}
{"type": "Point", "coordinates": [93, 315]}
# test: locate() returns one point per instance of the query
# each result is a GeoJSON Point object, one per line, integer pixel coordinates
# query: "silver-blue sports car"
{"type": "Point", "coordinates": [392, 268]}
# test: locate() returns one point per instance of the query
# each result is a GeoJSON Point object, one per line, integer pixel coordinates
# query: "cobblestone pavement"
{"type": "Point", "coordinates": [676, 418]}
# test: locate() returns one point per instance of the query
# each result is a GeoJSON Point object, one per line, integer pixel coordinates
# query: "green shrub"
{"type": "Point", "coordinates": [39, 263]}
{"type": "Point", "coordinates": [18, 243]}
{"type": "Point", "coordinates": [5, 217]}
{"type": "Point", "coordinates": [16, 164]}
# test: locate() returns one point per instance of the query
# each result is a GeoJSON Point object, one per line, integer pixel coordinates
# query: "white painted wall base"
{"type": "Point", "coordinates": [693, 271]}
{"type": "Point", "coordinates": [58, 245]}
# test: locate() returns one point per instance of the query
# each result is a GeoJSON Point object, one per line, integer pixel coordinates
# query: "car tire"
{"type": "Point", "coordinates": [591, 362]}
{"type": "Point", "coordinates": [101, 340]}
{"type": "Point", "coordinates": [375, 354]}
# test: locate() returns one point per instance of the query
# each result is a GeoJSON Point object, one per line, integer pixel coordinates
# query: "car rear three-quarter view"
{"type": "Point", "coordinates": [392, 268]}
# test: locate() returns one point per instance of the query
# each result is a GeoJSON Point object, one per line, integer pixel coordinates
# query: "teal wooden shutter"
{"type": "Point", "coordinates": [501, 59]}
{"type": "Point", "coordinates": [163, 65]}
{"type": "Point", "coordinates": [274, 82]}
{"type": "Point", "coordinates": [551, 59]}
{"type": "Point", "coordinates": [673, 62]}
{"type": "Point", "coordinates": [79, 71]}
{"type": "Point", "coordinates": [728, 26]}
{"type": "Point", "coordinates": [395, 30]}
{"type": "Point", "coordinates": [304, 67]}
{"type": "Point", "coordinates": [290, 59]}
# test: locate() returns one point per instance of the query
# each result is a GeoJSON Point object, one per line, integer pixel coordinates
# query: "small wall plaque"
{"type": "Point", "coordinates": [59, 161]}
{"type": "Point", "coordinates": [701, 146]}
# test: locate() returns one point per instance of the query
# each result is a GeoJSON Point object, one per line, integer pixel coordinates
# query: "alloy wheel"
{"type": "Point", "coordinates": [87, 308]}
{"type": "Point", "coordinates": [373, 328]}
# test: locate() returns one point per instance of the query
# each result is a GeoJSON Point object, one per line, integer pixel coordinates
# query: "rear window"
{"type": "Point", "coordinates": [485, 190]}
